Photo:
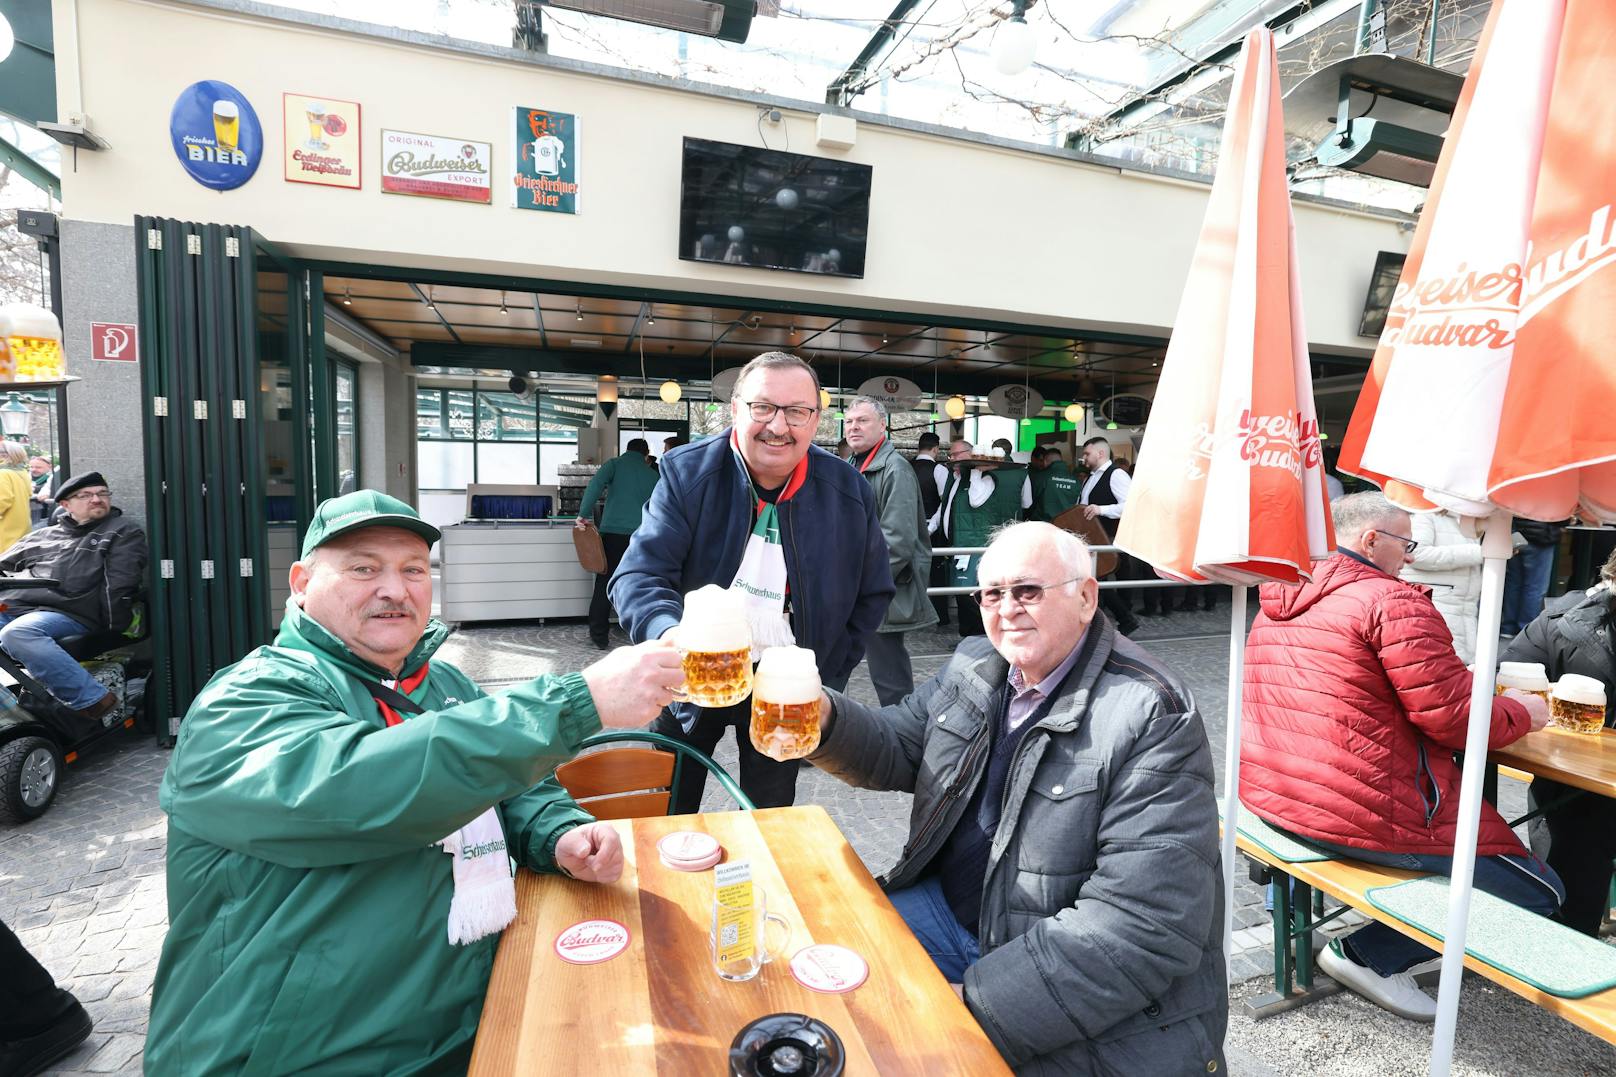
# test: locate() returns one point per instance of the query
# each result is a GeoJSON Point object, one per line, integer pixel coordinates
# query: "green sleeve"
{"type": "Point", "coordinates": [535, 821]}
{"type": "Point", "coordinates": [269, 764]}
{"type": "Point", "coordinates": [596, 487]}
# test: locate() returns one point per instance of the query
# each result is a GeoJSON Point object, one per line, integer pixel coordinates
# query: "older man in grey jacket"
{"type": "Point", "coordinates": [1062, 862]}
{"type": "Point", "coordinates": [903, 525]}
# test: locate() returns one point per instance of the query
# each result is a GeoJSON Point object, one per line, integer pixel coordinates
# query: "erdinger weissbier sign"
{"type": "Point", "coordinates": [432, 166]}
{"type": "Point", "coordinates": [321, 142]}
{"type": "Point", "coordinates": [545, 156]}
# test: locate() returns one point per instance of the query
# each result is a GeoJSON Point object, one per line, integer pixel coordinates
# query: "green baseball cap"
{"type": "Point", "coordinates": [363, 508]}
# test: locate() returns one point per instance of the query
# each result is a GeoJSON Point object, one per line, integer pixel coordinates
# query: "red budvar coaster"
{"type": "Point", "coordinates": [589, 942]}
{"type": "Point", "coordinates": [690, 850]}
{"type": "Point", "coordinates": [830, 969]}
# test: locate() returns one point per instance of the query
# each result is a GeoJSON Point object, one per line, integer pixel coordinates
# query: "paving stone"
{"type": "Point", "coordinates": [93, 988]}
{"type": "Point", "coordinates": [97, 964]}
{"type": "Point", "coordinates": [116, 1053]}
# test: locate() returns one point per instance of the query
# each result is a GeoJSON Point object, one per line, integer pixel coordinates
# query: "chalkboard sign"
{"type": "Point", "coordinates": [1125, 409]}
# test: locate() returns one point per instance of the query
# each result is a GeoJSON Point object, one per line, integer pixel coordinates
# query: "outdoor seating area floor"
{"type": "Point", "coordinates": [83, 886]}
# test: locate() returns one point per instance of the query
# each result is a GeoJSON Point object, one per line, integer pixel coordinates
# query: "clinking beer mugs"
{"type": "Point", "coordinates": [716, 643]}
{"type": "Point", "coordinates": [785, 703]}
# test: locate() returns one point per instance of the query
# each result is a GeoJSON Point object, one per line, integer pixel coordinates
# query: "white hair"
{"type": "Point", "coordinates": [870, 402]}
{"type": "Point", "coordinates": [1073, 551]}
{"type": "Point", "coordinates": [1356, 513]}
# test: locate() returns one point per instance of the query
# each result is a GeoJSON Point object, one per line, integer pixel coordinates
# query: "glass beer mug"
{"type": "Point", "coordinates": [785, 703]}
{"type": "Point", "coordinates": [716, 644]}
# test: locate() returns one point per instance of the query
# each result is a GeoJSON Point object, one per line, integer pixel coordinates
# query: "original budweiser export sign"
{"type": "Point", "coordinates": [592, 941]}
{"type": "Point", "coordinates": [432, 166]}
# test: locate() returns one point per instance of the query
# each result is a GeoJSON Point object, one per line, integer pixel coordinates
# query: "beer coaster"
{"type": "Point", "coordinates": [690, 850]}
{"type": "Point", "coordinates": [829, 969]}
{"type": "Point", "coordinates": [589, 942]}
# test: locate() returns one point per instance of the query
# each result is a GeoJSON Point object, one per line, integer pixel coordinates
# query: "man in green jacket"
{"type": "Point", "coordinates": [342, 815]}
{"type": "Point", "coordinates": [1054, 488]}
{"type": "Point", "coordinates": [627, 482]}
{"type": "Point", "coordinates": [903, 525]}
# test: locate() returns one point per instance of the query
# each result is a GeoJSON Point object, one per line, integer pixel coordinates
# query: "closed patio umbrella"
{"type": "Point", "coordinates": [1493, 384]}
{"type": "Point", "coordinates": [1230, 481]}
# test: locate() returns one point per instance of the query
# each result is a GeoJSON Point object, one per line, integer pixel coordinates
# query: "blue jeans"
{"type": "Point", "coordinates": [1520, 880]}
{"type": "Point", "coordinates": [31, 638]}
{"type": "Point", "coordinates": [1526, 581]}
{"type": "Point", "coordinates": [933, 923]}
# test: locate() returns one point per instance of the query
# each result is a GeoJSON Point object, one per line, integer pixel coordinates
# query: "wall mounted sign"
{"type": "Point", "coordinates": [1015, 401]}
{"type": "Point", "coordinates": [898, 394]}
{"type": "Point", "coordinates": [431, 166]}
{"type": "Point", "coordinates": [1125, 409]}
{"type": "Point", "coordinates": [114, 342]}
{"type": "Point", "coordinates": [322, 140]}
{"type": "Point", "coordinates": [545, 154]}
{"type": "Point", "coordinates": [216, 135]}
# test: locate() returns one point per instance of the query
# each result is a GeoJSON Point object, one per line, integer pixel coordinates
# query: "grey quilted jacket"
{"type": "Point", "coordinates": [1101, 909]}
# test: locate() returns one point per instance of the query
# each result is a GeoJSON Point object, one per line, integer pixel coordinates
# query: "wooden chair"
{"type": "Point", "coordinates": [634, 783]}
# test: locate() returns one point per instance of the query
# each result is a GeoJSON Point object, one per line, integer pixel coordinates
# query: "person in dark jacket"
{"type": "Point", "coordinates": [1577, 834]}
{"type": "Point", "coordinates": [39, 1022]}
{"type": "Point", "coordinates": [98, 562]}
{"type": "Point", "coordinates": [1526, 576]}
{"type": "Point", "coordinates": [1354, 703]}
{"type": "Point", "coordinates": [932, 477]}
{"type": "Point", "coordinates": [627, 482]}
{"type": "Point", "coordinates": [1062, 861]}
{"type": "Point", "coordinates": [759, 508]}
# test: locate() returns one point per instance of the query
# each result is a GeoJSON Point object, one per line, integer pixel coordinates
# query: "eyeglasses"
{"type": "Point", "coordinates": [1407, 542]}
{"type": "Point", "coordinates": [796, 415]}
{"type": "Point", "coordinates": [1025, 594]}
{"type": "Point", "coordinates": [90, 495]}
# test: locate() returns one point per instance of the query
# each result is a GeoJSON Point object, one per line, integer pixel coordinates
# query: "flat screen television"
{"type": "Point", "coordinates": [749, 206]}
{"type": "Point", "coordinates": [1382, 285]}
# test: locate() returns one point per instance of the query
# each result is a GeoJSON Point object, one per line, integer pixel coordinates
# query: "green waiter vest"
{"type": "Point", "coordinates": [972, 526]}
{"type": "Point", "coordinates": [1061, 491]}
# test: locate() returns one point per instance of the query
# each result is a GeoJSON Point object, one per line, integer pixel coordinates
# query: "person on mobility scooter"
{"type": "Point", "coordinates": [68, 592]}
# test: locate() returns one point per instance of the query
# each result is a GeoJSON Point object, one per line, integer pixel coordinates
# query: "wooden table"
{"type": "Point", "coordinates": [659, 1008]}
{"type": "Point", "coordinates": [1583, 760]}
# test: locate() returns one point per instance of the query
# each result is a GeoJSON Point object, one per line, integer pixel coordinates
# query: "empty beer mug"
{"type": "Point", "coordinates": [785, 703]}
{"type": "Point", "coordinates": [746, 937]}
{"type": "Point", "coordinates": [716, 644]}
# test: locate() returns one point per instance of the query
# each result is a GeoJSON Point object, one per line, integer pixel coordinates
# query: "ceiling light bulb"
{"type": "Point", "coordinates": [955, 407]}
{"type": "Point", "coordinates": [670, 392]}
{"type": "Point", "coordinates": [824, 399]}
{"type": "Point", "coordinates": [1074, 413]}
{"type": "Point", "coordinates": [1014, 45]}
{"type": "Point", "coordinates": [502, 308]}
{"type": "Point", "coordinates": [347, 297]}
{"type": "Point", "coordinates": [1111, 425]}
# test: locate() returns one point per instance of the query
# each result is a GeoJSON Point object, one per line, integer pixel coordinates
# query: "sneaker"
{"type": "Point", "coordinates": [21, 1058]}
{"type": "Point", "coordinates": [1397, 993]}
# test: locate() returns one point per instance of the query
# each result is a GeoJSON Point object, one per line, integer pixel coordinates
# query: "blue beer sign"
{"type": "Point", "coordinates": [216, 135]}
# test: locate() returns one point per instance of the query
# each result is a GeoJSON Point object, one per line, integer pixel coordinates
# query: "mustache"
{"type": "Point", "coordinates": [390, 607]}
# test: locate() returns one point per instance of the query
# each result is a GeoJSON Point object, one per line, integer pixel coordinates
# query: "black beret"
{"type": "Point", "coordinates": [82, 481]}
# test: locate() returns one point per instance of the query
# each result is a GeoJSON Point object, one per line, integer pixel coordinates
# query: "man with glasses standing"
{"type": "Point", "coordinates": [760, 510]}
{"type": "Point", "coordinates": [1062, 861]}
{"type": "Point", "coordinates": [1354, 705]}
{"type": "Point", "coordinates": [97, 560]}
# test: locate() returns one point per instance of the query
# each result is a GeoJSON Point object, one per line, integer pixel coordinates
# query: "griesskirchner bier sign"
{"type": "Point", "coordinates": [432, 166]}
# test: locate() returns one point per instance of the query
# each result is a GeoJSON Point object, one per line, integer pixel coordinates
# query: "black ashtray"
{"type": "Point", "coordinates": [786, 1045]}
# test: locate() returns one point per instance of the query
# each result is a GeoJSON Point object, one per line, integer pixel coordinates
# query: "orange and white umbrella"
{"type": "Point", "coordinates": [1230, 481]}
{"type": "Point", "coordinates": [1493, 384]}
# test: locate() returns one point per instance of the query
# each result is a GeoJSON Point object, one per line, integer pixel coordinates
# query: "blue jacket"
{"type": "Point", "coordinates": [694, 531]}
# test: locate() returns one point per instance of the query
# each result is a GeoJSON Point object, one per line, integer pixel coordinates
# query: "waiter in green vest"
{"type": "Point", "coordinates": [1054, 488]}
{"type": "Point", "coordinates": [993, 495]}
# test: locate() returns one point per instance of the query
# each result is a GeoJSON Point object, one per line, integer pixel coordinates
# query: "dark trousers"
{"type": "Point", "coordinates": [890, 669]}
{"type": "Point", "coordinates": [600, 606]}
{"type": "Point", "coordinates": [769, 783]}
{"type": "Point", "coordinates": [939, 578]}
{"type": "Point", "coordinates": [969, 616]}
{"type": "Point", "coordinates": [1578, 839]}
{"type": "Point", "coordinates": [29, 997]}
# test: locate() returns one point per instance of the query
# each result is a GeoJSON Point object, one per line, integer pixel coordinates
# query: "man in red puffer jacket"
{"type": "Point", "coordinates": [1354, 705]}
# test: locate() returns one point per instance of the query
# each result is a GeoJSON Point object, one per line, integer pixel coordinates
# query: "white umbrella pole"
{"type": "Point", "coordinates": [1231, 758]}
{"type": "Point", "coordinates": [1495, 549]}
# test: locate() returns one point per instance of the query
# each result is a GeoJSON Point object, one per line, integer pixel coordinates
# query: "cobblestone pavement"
{"type": "Point", "coordinates": [83, 886]}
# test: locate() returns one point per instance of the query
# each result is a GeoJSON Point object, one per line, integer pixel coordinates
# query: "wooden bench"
{"type": "Point", "coordinates": [1298, 910]}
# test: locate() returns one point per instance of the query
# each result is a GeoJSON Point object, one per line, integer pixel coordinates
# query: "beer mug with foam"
{"type": "Point", "coordinates": [1523, 677]}
{"type": "Point", "coordinates": [1577, 703]}
{"type": "Point", "coordinates": [785, 703]}
{"type": "Point", "coordinates": [716, 644]}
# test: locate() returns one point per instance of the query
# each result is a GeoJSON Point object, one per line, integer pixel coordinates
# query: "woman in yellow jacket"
{"type": "Point", "coordinates": [16, 488]}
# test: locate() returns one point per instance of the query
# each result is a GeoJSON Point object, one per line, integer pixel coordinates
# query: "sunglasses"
{"type": "Point", "coordinates": [1025, 594]}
